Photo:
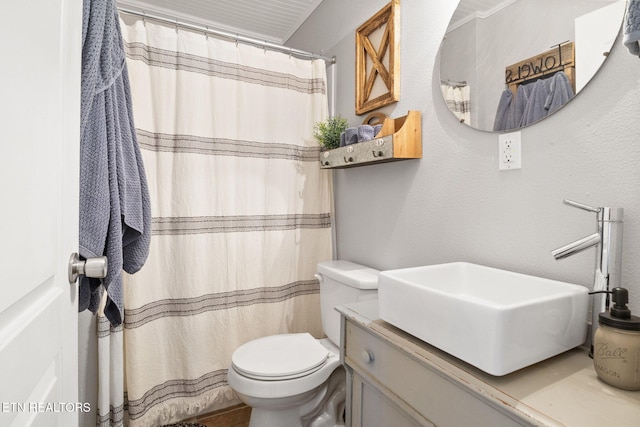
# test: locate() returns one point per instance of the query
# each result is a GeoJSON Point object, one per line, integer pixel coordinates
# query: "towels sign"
{"type": "Point", "coordinates": [561, 58]}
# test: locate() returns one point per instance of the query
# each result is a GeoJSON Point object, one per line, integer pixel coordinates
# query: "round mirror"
{"type": "Point", "coordinates": [505, 64]}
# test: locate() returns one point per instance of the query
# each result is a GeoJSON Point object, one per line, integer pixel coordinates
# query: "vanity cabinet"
{"type": "Point", "coordinates": [389, 387]}
{"type": "Point", "coordinates": [372, 407]}
{"type": "Point", "coordinates": [395, 379]}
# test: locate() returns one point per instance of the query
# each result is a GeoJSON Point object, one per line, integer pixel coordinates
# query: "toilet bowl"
{"type": "Point", "coordinates": [293, 380]}
{"type": "Point", "coordinates": [287, 397]}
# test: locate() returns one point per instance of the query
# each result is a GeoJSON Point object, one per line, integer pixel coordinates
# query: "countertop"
{"type": "Point", "coordinates": [561, 391]}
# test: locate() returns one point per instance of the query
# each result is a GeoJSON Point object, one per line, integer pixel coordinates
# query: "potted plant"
{"type": "Point", "coordinates": [328, 132]}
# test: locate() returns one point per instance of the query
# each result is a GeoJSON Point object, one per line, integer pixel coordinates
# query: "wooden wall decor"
{"type": "Point", "coordinates": [561, 58]}
{"type": "Point", "coordinates": [378, 59]}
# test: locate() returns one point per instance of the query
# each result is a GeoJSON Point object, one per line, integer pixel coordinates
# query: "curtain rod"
{"type": "Point", "coordinates": [454, 83]}
{"type": "Point", "coordinates": [225, 34]}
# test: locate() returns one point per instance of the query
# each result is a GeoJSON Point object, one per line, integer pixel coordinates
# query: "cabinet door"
{"type": "Point", "coordinates": [370, 408]}
{"type": "Point", "coordinates": [415, 386]}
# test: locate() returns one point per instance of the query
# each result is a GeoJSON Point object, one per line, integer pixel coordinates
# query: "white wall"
{"type": "Point", "coordinates": [454, 204]}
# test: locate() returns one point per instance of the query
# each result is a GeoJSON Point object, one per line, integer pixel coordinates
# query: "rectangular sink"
{"type": "Point", "coordinates": [495, 320]}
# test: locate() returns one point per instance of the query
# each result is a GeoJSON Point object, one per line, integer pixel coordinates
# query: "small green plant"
{"type": "Point", "coordinates": [328, 131]}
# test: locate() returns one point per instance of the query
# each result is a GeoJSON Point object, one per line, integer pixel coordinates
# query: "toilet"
{"type": "Point", "coordinates": [294, 379]}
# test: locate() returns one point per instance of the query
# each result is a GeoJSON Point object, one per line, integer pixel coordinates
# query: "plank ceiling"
{"type": "Point", "coordinates": [268, 20]}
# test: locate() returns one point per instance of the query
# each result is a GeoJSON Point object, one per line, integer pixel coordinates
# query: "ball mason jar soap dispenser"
{"type": "Point", "coordinates": [616, 350]}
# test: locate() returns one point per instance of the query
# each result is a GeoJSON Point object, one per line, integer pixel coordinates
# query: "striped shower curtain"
{"type": "Point", "coordinates": [241, 216]}
{"type": "Point", "coordinates": [457, 98]}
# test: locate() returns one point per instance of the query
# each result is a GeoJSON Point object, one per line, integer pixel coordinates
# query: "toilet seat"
{"type": "Point", "coordinates": [280, 357]}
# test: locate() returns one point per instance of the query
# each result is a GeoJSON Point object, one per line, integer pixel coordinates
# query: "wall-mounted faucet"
{"type": "Point", "coordinates": [608, 240]}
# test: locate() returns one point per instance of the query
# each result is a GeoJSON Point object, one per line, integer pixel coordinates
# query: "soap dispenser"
{"type": "Point", "coordinates": [616, 350]}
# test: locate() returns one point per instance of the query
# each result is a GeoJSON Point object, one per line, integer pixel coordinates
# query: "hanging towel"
{"type": "Point", "coordinates": [504, 109]}
{"type": "Point", "coordinates": [115, 213]}
{"type": "Point", "coordinates": [519, 106]}
{"type": "Point", "coordinates": [560, 92]}
{"type": "Point", "coordinates": [514, 108]}
{"type": "Point", "coordinates": [631, 30]}
{"type": "Point", "coordinates": [535, 107]}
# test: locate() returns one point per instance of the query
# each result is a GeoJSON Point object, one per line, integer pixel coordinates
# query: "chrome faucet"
{"type": "Point", "coordinates": [608, 240]}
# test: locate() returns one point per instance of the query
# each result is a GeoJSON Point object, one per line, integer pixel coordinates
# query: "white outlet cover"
{"type": "Point", "coordinates": [509, 151]}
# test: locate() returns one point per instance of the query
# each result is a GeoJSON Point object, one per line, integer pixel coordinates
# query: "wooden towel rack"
{"type": "Point", "coordinates": [560, 58]}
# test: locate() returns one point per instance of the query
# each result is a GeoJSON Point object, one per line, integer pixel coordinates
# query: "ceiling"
{"type": "Point", "coordinates": [272, 20]}
{"type": "Point", "coordinates": [267, 20]}
{"type": "Point", "coordinates": [470, 9]}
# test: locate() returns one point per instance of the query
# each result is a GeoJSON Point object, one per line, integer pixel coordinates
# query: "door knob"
{"type": "Point", "coordinates": [92, 267]}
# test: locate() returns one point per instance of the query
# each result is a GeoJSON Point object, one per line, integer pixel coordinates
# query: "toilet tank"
{"type": "Point", "coordinates": [343, 282]}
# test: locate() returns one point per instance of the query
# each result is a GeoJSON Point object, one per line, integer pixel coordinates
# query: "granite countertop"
{"type": "Point", "coordinates": [561, 391]}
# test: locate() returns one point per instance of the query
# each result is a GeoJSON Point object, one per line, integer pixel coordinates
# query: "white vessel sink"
{"type": "Point", "coordinates": [496, 320]}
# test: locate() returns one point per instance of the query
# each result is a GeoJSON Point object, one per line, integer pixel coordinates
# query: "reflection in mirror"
{"type": "Point", "coordinates": [505, 64]}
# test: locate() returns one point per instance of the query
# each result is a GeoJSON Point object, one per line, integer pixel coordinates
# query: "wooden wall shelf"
{"type": "Point", "coordinates": [399, 139]}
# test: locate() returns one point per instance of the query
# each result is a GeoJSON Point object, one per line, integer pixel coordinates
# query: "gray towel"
{"type": "Point", "coordinates": [504, 108]}
{"type": "Point", "coordinates": [631, 28]}
{"type": "Point", "coordinates": [365, 133]}
{"type": "Point", "coordinates": [511, 110]}
{"type": "Point", "coordinates": [535, 108]}
{"type": "Point", "coordinates": [368, 132]}
{"type": "Point", "coordinates": [359, 134]}
{"type": "Point", "coordinates": [115, 213]}
{"type": "Point", "coordinates": [350, 136]}
{"type": "Point", "coordinates": [560, 92]}
{"type": "Point", "coordinates": [519, 106]}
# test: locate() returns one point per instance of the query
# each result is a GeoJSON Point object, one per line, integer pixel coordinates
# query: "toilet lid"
{"type": "Point", "coordinates": [280, 357]}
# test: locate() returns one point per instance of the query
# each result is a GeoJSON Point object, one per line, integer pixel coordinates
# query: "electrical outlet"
{"type": "Point", "coordinates": [509, 151]}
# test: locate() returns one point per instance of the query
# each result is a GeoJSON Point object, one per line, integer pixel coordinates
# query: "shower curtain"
{"type": "Point", "coordinates": [457, 99]}
{"type": "Point", "coordinates": [241, 217]}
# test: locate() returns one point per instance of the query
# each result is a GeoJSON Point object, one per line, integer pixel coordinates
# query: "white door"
{"type": "Point", "coordinates": [40, 60]}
